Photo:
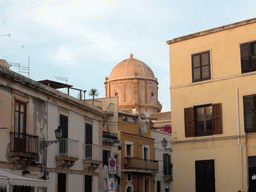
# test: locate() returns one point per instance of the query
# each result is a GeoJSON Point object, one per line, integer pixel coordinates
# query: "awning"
{"type": "Point", "coordinates": [21, 181]}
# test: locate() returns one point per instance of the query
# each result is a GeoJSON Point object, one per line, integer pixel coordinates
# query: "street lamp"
{"type": "Point", "coordinates": [164, 143]}
{"type": "Point", "coordinates": [58, 135]}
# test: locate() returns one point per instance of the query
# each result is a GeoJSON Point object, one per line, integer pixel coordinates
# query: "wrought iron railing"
{"type": "Point", "coordinates": [67, 147]}
{"type": "Point", "coordinates": [93, 152]}
{"type": "Point", "coordinates": [110, 135]}
{"type": "Point", "coordinates": [137, 163]}
{"type": "Point", "coordinates": [24, 143]}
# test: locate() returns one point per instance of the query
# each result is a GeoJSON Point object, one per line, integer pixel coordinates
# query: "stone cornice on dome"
{"type": "Point", "coordinates": [132, 78]}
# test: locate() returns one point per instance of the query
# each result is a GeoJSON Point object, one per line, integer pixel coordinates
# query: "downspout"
{"type": "Point", "coordinates": [239, 141]}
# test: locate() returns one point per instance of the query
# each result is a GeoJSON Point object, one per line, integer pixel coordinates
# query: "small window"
{"type": "Point", "coordinates": [203, 120]}
{"type": "Point", "coordinates": [106, 156]}
{"type": "Point", "coordinates": [152, 94]}
{"type": "Point", "coordinates": [116, 94]}
{"type": "Point", "coordinates": [201, 66]}
{"type": "Point", "coordinates": [248, 57]}
{"type": "Point", "coordinates": [129, 177]}
{"type": "Point", "coordinates": [128, 150]}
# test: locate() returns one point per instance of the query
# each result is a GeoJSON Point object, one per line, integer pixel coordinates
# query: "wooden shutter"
{"type": "Point", "coordinates": [248, 113]}
{"type": "Point", "coordinates": [189, 122]}
{"type": "Point", "coordinates": [165, 161]}
{"type": "Point", "coordinates": [217, 118]}
{"type": "Point", "coordinates": [245, 57]}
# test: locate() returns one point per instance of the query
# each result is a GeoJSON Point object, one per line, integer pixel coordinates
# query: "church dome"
{"type": "Point", "coordinates": [131, 68]}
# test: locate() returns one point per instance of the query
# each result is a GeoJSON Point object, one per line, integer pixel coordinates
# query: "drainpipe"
{"type": "Point", "coordinates": [239, 141]}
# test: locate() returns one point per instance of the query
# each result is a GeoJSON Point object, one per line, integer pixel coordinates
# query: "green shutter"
{"type": "Point", "coordinates": [88, 133]}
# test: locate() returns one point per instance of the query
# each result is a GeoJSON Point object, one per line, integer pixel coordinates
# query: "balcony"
{"type": "Point", "coordinates": [109, 138]}
{"type": "Point", "coordinates": [93, 156]}
{"type": "Point", "coordinates": [67, 153]}
{"type": "Point", "coordinates": [133, 164]}
{"type": "Point", "coordinates": [23, 149]}
{"type": "Point", "coordinates": [167, 178]}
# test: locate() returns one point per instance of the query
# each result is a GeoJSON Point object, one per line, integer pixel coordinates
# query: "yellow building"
{"type": "Point", "coordinates": [137, 155]}
{"type": "Point", "coordinates": [212, 77]}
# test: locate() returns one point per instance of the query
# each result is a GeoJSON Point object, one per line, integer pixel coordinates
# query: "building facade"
{"type": "Point", "coordinates": [30, 114]}
{"type": "Point", "coordinates": [213, 95]}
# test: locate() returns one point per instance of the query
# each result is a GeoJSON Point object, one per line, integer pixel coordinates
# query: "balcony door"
{"type": "Point", "coordinates": [63, 150]}
{"type": "Point", "coordinates": [20, 126]}
{"type": "Point", "coordinates": [88, 141]}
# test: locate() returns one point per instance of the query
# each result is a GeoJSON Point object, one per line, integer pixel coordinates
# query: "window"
{"type": "Point", "coordinates": [205, 177]}
{"type": "Point", "coordinates": [158, 186]}
{"type": "Point", "coordinates": [201, 66]}
{"type": "Point", "coordinates": [128, 150]}
{"type": "Point", "coordinates": [88, 183]}
{"type": "Point", "coordinates": [106, 156]}
{"type": "Point", "coordinates": [63, 143]}
{"type": "Point", "coordinates": [145, 152]}
{"type": "Point", "coordinates": [20, 118]}
{"type": "Point", "coordinates": [248, 57]}
{"type": "Point", "coordinates": [167, 166]}
{"type": "Point", "coordinates": [61, 182]}
{"type": "Point", "coordinates": [88, 141]}
{"type": "Point", "coordinates": [129, 177]}
{"type": "Point", "coordinates": [20, 126]}
{"type": "Point", "coordinates": [203, 120]}
{"type": "Point", "coordinates": [250, 113]}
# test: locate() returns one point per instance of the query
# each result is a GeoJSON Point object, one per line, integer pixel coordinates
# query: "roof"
{"type": "Point", "coordinates": [131, 68]}
{"type": "Point", "coordinates": [55, 84]}
{"type": "Point", "coordinates": [213, 30]}
{"type": "Point", "coordinates": [161, 116]}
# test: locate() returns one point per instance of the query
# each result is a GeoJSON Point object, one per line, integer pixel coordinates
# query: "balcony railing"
{"type": "Point", "coordinates": [140, 164]}
{"type": "Point", "coordinates": [67, 147]}
{"type": "Point", "coordinates": [24, 143]}
{"type": "Point", "coordinates": [110, 138]}
{"type": "Point", "coordinates": [93, 152]}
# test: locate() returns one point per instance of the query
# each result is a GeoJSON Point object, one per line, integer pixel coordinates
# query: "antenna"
{"type": "Point", "coordinates": [62, 79]}
{"type": "Point", "coordinates": [7, 35]}
{"type": "Point", "coordinates": [23, 69]}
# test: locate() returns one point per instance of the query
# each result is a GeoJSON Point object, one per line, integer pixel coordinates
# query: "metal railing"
{"type": "Point", "coordinates": [24, 143]}
{"type": "Point", "coordinates": [137, 163]}
{"type": "Point", "coordinates": [110, 135]}
{"type": "Point", "coordinates": [93, 152]}
{"type": "Point", "coordinates": [67, 147]}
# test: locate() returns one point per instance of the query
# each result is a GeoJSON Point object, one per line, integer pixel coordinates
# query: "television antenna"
{"type": "Point", "coordinates": [7, 35]}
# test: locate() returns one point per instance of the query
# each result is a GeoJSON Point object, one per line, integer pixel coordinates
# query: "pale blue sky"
{"type": "Point", "coordinates": [83, 40]}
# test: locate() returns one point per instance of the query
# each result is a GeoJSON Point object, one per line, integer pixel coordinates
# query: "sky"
{"type": "Point", "coordinates": [83, 40]}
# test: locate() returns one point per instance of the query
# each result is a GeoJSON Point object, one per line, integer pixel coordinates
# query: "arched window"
{"type": "Point", "coordinates": [129, 189]}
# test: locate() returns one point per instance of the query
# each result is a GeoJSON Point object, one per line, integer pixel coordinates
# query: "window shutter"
{"type": "Point", "coordinates": [248, 113]}
{"type": "Point", "coordinates": [245, 50]}
{"type": "Point", "coordinates": [217, 118]}
{"type": "Point", "coordinates": [88, 133]}
{"type": "Point", "coordinates": [245, 57]}
{"type": "Point", "coordinates": [189, 122]}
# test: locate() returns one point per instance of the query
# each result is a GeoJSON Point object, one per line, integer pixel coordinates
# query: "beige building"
{"type": "Point", "coordinates": [31, 158]}
{"type": "Point", "coordinates": [212, 77]}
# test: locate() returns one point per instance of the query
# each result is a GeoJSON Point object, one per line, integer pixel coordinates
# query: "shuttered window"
{"type": "Point", "coordinates": [250, 113]}
{"type": "Point", "coordinates": [201, 66]}
{"type": "Point", "coordinates": [167, 166]}
{"type": "Point", "coordinates": [248, 57]}
{"type": "Point", "coordinates": [203, 120]}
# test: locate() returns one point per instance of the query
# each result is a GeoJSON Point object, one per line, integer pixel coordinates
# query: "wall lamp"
{"type": "Point", "coordinates": [164, 143]}
{"type": "Point", "coordinates": [58, 135]}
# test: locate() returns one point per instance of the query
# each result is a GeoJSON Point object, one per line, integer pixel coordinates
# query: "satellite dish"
{"type": "Point", "coordinates": [147, 114]}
